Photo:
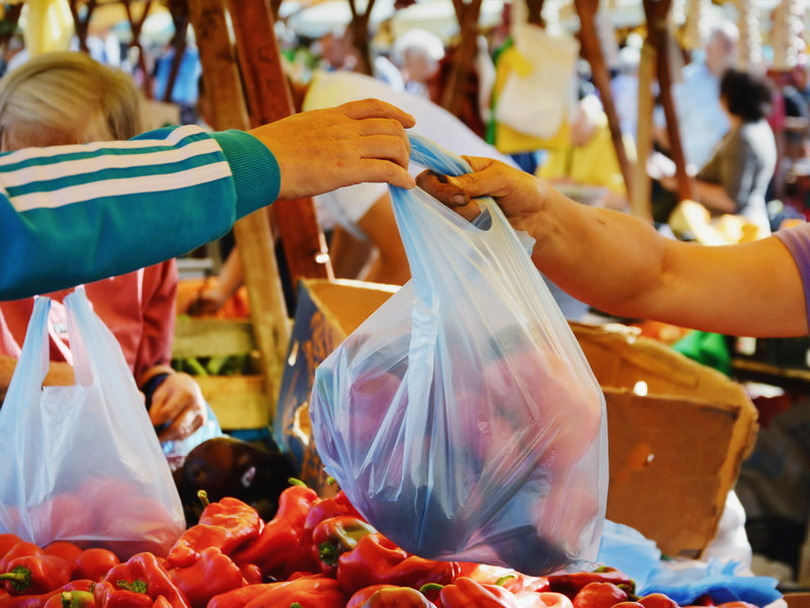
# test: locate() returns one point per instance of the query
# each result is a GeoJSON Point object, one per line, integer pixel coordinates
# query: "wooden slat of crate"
{"type": "Point", "coordinates": [240, 402]}
{"type": "Point", "coordinates": [212, 338]}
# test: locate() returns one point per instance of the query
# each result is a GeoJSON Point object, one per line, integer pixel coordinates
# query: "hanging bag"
{"type": "Point", "coordinates": [82, 463]}
{"type": "Point", "coordinates": [461, 418]}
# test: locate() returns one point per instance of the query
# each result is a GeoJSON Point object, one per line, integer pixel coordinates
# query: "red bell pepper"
{"type": "Point", "coordinates": [36, 574]}
{"type": "Point", "coordinates": [20, 549]}
{"type": "Point", "coordinates": [213, 573]}
{"type": "Point", "coordinates": [64, 549]}
{"type": "Point", "coordinates": [360, 596]}
{"type": "Point", "coordinates": [307, 592]}
{"type": "Point", "coordinates": [72, 599]}
{"type": "Point", "coordinates": [330, 507]}
{"type": "Point", "coordinates": [39, 600]}
{"type": "Point", "coordinates": [95, 562]}
{"type": "Point", "coordinates": [377, 560]}
{"type": "Point", "coordinates": [7, 541]}
{"type": "Point", "coordinates": [336, 535]}
{"type": "Point", "coordinates": [570, 584]}
{"type": "Point", "coordinates": [140, 574]}
{"type": "Point", "coordinates": [284, 546]}
{"type": "Point", "coordinates": [464, 592]}
{"type": "Point", "coordinates": [236, 598]}
{"type": "Point", "coordinates": [467, 593]}
{"type": "Point", "coordinates": [227, 525]}
{"type": "Point", "coordinates": [599, 595]}
{"type": "Point", "coordinates": [657, 600]}
{"type": "Point", "coordinates": [122, 594]}
{"type": "Point", "coordinates": [389, 596]}
{"type": "Point", "coordinates": [252, 574]}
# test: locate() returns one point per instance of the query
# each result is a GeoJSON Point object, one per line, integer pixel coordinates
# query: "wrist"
{"type": "Point", "coordinates": [149, 387]}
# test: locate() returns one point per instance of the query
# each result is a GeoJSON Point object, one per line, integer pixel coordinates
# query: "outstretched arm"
{"type": "Point", "coordinates": [76, 214]}
{"type": "Point", "coordinates": [620, 264]}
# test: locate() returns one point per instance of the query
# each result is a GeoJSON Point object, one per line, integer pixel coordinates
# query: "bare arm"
{"type": "Point", "coordinates": [59, 374]}
{"type": "Point", "coordinates": [620, 264]}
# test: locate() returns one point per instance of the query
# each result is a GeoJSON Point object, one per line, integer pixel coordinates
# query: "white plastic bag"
{"type": "Point", "coordinates": [82, 463]}
{"type": "Point", "coordinates": [539, 94]}
{"type": "Point", "coordinates": [462, 418]}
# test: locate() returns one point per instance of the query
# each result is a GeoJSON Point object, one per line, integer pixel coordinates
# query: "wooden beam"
{"type": "Point", "coordinates": [535, 12]}
{"type": "Point", "coordinates": [358, 27]}
{"type": "Point", "coordinates": [656, 12]}
{"type": "Point", "coordinates": [592, 51]}
{"type": "Point", "coordinates": [179, 11]}
{"type": "Point", "coordinates": [223, 88]}
{"type": "Point", "coordinates": [136, 24]}
{"type": "Point", "coordinates": [455, 87]}
{"type": "Point", "coordinates": [640, 199]}
{"type": "Point", "coordinates": [80, 23]}
{"type": "Point", "coordinates": [269, 99]}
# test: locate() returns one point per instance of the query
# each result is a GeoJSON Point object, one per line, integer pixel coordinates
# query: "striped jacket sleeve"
{"type": "Point", "coordinates": [75, 214]}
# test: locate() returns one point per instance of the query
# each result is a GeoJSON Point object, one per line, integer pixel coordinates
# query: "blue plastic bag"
{"type": "Point", "coordinates": [462, 419]}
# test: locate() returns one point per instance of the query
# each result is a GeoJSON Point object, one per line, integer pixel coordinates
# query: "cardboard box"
{"type": "Point", "coordinates": [678, 433]}
{"type": "Point", "coordinates": [678, 430]}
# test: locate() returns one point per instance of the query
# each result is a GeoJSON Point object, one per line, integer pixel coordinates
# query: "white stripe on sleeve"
{"type": "Point", "coordinates": [123, 186]}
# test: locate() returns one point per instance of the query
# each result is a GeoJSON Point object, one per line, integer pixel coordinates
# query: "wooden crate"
{"type": "Point", "coordinates": [239, 401]}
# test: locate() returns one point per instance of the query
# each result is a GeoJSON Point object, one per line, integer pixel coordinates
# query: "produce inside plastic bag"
{"type": "Point", "coordinates": [462, 418]}
{"type": "Point", "coordinates": [82, 463]}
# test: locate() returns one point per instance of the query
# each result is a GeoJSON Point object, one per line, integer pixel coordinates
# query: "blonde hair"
{"type": "Point", "coordinates": [67, 97]}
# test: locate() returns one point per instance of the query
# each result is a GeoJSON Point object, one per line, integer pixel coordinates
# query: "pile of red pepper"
{"type": "Point", "coordinates": [314, 553]}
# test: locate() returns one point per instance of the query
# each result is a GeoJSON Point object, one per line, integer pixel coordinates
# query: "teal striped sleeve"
{"type": "Point", "coordinates": [79, 213]}
{"type": "Point", "coordinates": [256, 174]}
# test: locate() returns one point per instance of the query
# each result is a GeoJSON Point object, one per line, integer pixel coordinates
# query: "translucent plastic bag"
{"type": "Point", "coordinates": [82, 463]}
{"type": "Point", "coordinates": [462, 418]}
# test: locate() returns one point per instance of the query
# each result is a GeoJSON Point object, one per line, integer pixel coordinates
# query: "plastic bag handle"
{"type": "Point", "coordinates": [84, 325]}
{"type": "Point", "coordinates": [34, 361]}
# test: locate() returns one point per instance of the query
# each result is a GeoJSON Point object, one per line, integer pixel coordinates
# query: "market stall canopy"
{"type": "Point", "coordinates": [439, 17]}
{"type": "Point", "coordinates": [316, 19]}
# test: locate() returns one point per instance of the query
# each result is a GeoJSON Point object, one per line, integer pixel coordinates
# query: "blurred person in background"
{"type": "Point", "coordinates": [417, 53]}
{"type": "Point", "coordinates": [735, 179]}
{"type": "Point", "coordinates": [701, 120]}
{"type": "Point", "coordinates": [39, 106]}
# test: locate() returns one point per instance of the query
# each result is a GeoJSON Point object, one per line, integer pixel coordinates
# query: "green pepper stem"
{"type": "Point", "coordinates": [19, 577]}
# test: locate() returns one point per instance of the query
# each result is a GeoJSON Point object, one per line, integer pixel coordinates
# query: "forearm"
{"type": "Point", "coordinates": [59, 374]}
{"type": "Point", "coordinates": [108, 209]}
{"type": "Point", "coordinates": [619, 264]}
{"type": "Point", "coordinates": [606, 258]}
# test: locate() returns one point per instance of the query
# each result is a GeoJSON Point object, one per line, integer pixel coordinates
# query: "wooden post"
{"type": "Point", "coordinates": [592, 51]}
{"type": "Point", "coordinates": [269, 99]}
{"type": "Point", "coordinates": [535, 12]}
{"type": "Point", "coordinates": [136, 24]}
{"type": "Point", "coordinates": [455, 86]}
{"type": "Point", "coordinates": [640, 203]}
{"type": "Point", "coordinates": [253, 236]}
{"type": "Point", "coordinates": [179, 12]}
{"type": "Point", "coordinates": [12, 17]}
{"type": "Point", "coordinates": [359, 33]}
{"type": "Point", "coordinates": [655, 12]}
{"type": "Point", "coordinates": [81, 25]}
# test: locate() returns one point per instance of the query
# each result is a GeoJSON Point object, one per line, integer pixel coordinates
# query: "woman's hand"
{"type": "Point", "coordinates": [178, 401]}
{"type": "Point", "coordinates": [520, 195]}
